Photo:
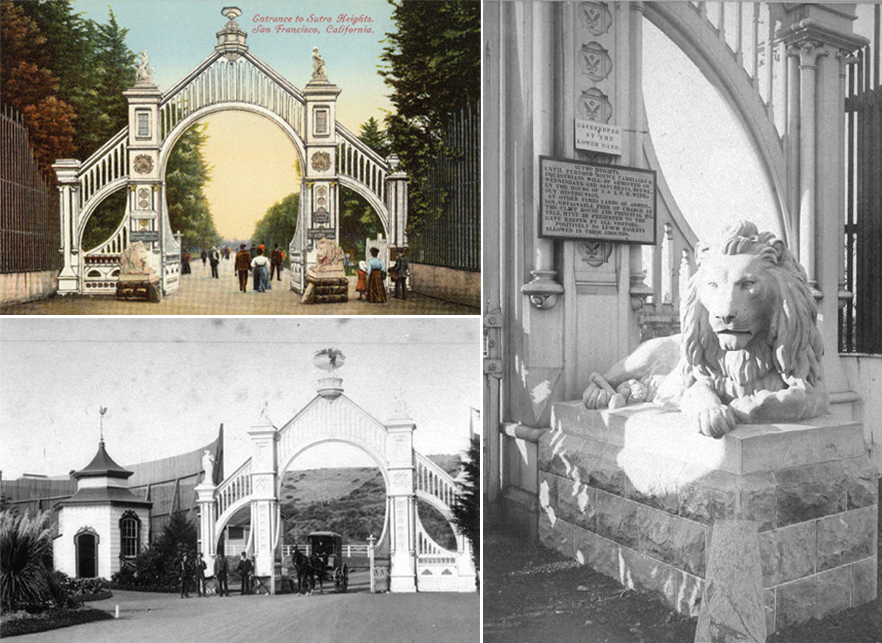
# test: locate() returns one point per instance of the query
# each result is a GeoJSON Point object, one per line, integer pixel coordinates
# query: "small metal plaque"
{"type": "Point", "coordinates": [144, 235]}
{"type": "Point", "coordinates": [321, 233]}
{"type": "Point", "coordinates": [598, 137]}
{"type": "Point", "coordinates": [594, 201]}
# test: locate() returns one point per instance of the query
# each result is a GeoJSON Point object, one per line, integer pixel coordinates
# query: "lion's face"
{"type": "Point", "coordinates": [739, 296]}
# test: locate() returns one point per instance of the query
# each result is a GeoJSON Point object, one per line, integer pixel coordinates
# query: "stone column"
{"type": "Point", "coordinates": [207, 518]}
{"type": "Point", "coordinates": [69, 211]}
{"type": "Point", "coordinates": [264, 499]}
{"type": "Point", "coordinates": [823, 36]}
{"type": "Point", "coordinates": [402, 504]}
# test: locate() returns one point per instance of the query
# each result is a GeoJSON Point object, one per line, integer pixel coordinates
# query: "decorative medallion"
{"type": "Point", "coordinates": [595, 253]}
{"type": "Point", "coordinates": [143, 164]}
{"type": "Point", "coordinates": [595, 17]}
{"type": "Point", "coordinates": [595, 61]}
{"type": "Point", "coordinates": [143, 193]}
{"type": "Point", "coordinates": [321, 161]}
{"type": "Point", "coordinates": [143, 204]}
{"type": "Point", "coordinates": [594, 105]}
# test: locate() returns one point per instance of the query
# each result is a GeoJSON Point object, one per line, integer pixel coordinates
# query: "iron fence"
{"type": "Point", "coordinates": [452, 236]}
{"type": "Point", "coordinates": [861, 318]}
{"type": "Point", "coordinates": [30, 237]}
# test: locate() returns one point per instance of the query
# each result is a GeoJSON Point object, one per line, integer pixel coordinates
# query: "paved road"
{"type": "Point", "coordinates": [356, 617]}
{"type": "Point", "coordinates": [201, 295]}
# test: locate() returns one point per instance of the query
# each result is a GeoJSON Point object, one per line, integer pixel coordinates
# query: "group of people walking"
{"type": "Point", "coordinates": [263, 267]}
{"type": "Point", "coordinates": [194, 574]}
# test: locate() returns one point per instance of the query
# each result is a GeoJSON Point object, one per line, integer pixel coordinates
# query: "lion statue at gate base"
{"type": "Point", "coordinates": [750, 348]}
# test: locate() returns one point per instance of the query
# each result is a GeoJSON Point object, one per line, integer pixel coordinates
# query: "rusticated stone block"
{"type": "Point", "coordinates": [846, 537]}
{"type": "Point", "coordinates": [616, 519]}
{"type": "Point", "coordinates": [556, 534]}
{"type": "Point", "coordinates": [673, 540]}
{"type": "Point", "coordinates": [861, 483]}
{"type": "Point", "coordinates": [574, 418]}
{"type": "Point", "coordinates": [759, 500]}
{"type": "Point", "coordinates": [577, 503]}
{"type": "Point", "coordinates": [788, 553]}
{"type": "Point", "coordinates": [770, 608]}
{"type": "Point", "coordinates": [689, 593]}
{"type": "Point", "coordinates": [706, 495]}
{"type": "Point", "coordinates": [834, 592]}
{"type": "Point", "coordinates": [637, 571]}
{"type": "Point", "coordinates": [651, 480]}
{"type": "Point", "coordinates": [864, 580]}
{"type": "Point", "coordinates": [811, 491]}
{"type": "Point", "coordinates": [548, 492]}
{"type": "Point", "coordinates": [597, 552]}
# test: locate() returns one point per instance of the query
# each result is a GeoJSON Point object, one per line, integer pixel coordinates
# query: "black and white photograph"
{"type": "Point", "coordinates": [682, 214]}
{"type": "Point", "coordinates": [321, 473]}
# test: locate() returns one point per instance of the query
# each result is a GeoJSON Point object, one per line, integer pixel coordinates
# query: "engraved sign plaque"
{"type": "Point", "coordinates": [592, 201]}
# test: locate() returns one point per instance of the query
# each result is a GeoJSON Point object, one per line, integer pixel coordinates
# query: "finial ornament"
{"type": "Point", "coordinates": [329, 359]}
{"type": "Point", "coordinates": [143, 73]}
{"type": "Point", "coordinates": [102, 410]}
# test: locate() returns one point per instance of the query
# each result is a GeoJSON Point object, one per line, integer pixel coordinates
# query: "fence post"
{"type": "Point", "coordinates": [371, 559]}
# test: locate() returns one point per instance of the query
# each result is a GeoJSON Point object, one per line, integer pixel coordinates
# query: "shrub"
{"type": "Point", "coordinates": [26, 578]}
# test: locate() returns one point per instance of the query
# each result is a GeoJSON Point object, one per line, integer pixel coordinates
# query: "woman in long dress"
{"type": "Point", "coordinates": [376, 288]}
{"type": "Point", "coordinates": [260, 266]}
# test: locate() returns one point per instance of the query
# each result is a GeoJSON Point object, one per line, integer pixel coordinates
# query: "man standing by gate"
{"type": "Point", "coordinates": [401, 274]}
{"type": "Point", "coordinates": [244, 570]}
{"type": "Point", "coordinates": [276, 263]}
{"type": "Point", "coordinates": [243, 264]}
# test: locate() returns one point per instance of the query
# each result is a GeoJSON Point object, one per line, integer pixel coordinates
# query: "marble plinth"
{"type": "Point", "coordinates": [635, 493]}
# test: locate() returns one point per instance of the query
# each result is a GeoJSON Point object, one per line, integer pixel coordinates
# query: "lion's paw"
{"type": "Point", "coordinates": [716, 421]}
{"type": "Point", "coordinates": [595, 397]}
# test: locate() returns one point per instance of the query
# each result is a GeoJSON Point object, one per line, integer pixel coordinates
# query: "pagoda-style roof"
{"type": "Point", "coordinates": [102, 465]}
{"type": "Point", "coordinates": [102, 495]}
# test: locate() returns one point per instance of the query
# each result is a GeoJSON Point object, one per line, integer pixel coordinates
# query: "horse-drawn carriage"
{"type": "Point", "coordinates": [325, 562]}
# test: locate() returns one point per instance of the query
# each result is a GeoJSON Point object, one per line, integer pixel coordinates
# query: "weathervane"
{"type": "Point", "coordinates": [102, 410]}
{"type": "Point", "coordinates": [329, 359]}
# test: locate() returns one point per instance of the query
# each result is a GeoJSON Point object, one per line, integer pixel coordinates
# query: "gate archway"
{"type": "Point", "coordinates": [231, 78]}
{"type": "Point", "coordinates": [417, 562]}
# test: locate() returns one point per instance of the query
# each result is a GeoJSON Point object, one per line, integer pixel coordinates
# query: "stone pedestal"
{"type": "Point", "coordinates": [139, 288]}
{"type": "Point", "coordinates": [635, 493]}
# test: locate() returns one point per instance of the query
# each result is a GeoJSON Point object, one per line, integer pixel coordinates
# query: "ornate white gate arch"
{"type": "Point", "coordinates": [231, 78]}
{"type": "Point", "coordinates": [417, 563]}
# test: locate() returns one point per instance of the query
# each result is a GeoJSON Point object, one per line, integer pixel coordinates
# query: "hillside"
{"type": "Point", "coordinates": [350, 501]}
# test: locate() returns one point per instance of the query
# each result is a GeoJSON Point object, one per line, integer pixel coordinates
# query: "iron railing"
{"type": "Point", "coordinates": [29, 233]}
{"type": "Point", "coordinates": [452, 237]}
{"type": "Point", "coordinates": [861, 318]}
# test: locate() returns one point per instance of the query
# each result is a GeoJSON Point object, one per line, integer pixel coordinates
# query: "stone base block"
{"type": "Point", "coordinates": [140, 288]}
{"type": "Point", "coordinates": [635, 494]}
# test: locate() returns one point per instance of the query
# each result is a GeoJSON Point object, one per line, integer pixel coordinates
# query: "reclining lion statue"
{"type": "Point", "coordinates": [749, 350]}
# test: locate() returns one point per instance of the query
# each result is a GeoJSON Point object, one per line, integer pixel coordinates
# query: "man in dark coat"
{"type": "Point", "coordinates": [245, 568]}
{"type": "Point", "coordinates": [220, 573]}
{"type": "Point", "coordinates": [400, 270]}
{"type": "Point", "coordinates": [214, 258]}
{"type": "Point", "coordinates": [184, 572]}
{"type": "Point", "coordinates": [243, 265]}
{"type": "Point", "coordinates": [276, 263]}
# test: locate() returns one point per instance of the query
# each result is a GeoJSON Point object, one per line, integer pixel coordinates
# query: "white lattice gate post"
{"type": "Point", "coordinates": [320, 190]}
{"type": "Point", "coordinates": [264, 502]}
{"type": "Point", "coordinates": [396, 202]}
{"type": "Point", "coordinates": [402, 505]}
{"type": "Point", "coordinates": [144, 171]}
{"type": "Point", "coordinates": [207, 518]}
{"type": "Point", "coordinates": [69, 204]}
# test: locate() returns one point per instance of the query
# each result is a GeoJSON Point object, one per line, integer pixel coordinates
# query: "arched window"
{"type": "Point", "coordinates": [130, 535]}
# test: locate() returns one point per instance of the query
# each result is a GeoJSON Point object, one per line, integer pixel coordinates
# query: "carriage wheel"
{"type": "Point", "coordinates": [341, 579]}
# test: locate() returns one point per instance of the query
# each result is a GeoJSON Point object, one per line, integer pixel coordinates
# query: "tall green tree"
{"type": "Point", "coordinates": [279, 223]}
{"type": "Point", "coordinates": [467, 509]}
{"type": "Point", "coordinates": [433, 64]}
{"type": "Point", "coordinates": [186, 174]}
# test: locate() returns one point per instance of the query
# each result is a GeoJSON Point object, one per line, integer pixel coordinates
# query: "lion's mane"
{"type": "Point", "coordinates": [791, 352]}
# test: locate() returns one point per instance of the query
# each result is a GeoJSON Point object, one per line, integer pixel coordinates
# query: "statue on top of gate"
{"type": "Point", "coordinates": [143, 73]}
{"type": "Point", "coordinates": [318, 65]}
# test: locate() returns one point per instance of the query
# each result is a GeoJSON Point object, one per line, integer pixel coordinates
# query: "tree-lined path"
{"type": "Point", "coordinates": [201, 295]}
